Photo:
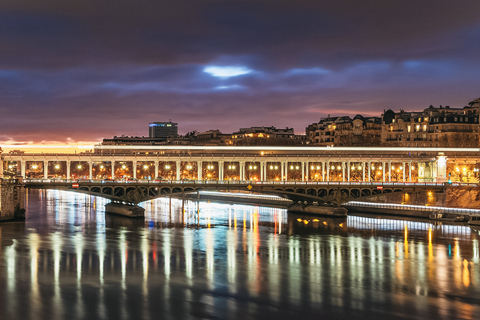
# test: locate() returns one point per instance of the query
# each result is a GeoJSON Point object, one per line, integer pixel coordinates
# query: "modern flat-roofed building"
{"type": "Point", "coordinates": [162, 130]}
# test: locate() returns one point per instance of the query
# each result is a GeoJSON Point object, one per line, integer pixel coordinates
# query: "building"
{"type": "Point", "coordinates": [431, 127]}
{"type": "Point", "coordinates": [345, 131]}
{"type": "Point", "coordinates": [264, 136]}
{"type": "Point", "coordinates": [162, 130]}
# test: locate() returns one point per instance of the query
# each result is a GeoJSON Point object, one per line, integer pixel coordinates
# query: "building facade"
{"type": "Point", "coordinates": [162, 130]}
{"type": "Point", "coordinates": [431, 127]}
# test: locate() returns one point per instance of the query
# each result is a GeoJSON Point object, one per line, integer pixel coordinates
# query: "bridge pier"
{"type": "Point", "coordinates": [126, 210]}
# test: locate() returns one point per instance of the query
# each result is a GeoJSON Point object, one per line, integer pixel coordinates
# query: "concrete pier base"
{"type": "Point", "coordinates": [125, 210]}
{"type": "Point", "coordinates": [319, 210]}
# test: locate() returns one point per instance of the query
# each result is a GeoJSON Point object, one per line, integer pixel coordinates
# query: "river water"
{"type": "Point", "coordinates": [69, 260]}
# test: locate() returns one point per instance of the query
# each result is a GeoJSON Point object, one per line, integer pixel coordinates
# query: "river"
{"type": "Point", "coordinates": [190, 260]}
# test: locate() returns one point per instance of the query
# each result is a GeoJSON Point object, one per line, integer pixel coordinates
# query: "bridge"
{"type": "Point", "coordinates": [134, 192]}
{"type": "Point", "coordinates": [301, 164]}
{"type": "Point", "coordinates": [133, 174]}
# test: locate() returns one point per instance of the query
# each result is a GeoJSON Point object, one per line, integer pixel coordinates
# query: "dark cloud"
{"type": "Point", "coordinates": [90, 69]}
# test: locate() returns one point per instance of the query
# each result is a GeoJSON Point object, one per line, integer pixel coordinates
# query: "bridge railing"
{"type": "Point", "coordinates": [252, 182]}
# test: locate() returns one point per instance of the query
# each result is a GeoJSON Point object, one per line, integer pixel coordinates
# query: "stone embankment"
{"type": "Point", "coordinates": [12, 199]}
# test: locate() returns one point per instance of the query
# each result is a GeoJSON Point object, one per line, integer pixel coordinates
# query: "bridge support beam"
{"type": "Point", "coordinates": [199, 170]}
{"type": "Point", "coordinates": [45, 169]}
{"type": "Point", "coordinates": [383, 171]}
{"type": "Point", "coordinates": [363, 171]}
{"type": "Point", "coordinates": [303, 171]}
{"type": "Point", "coordinates": [410, 171]}
{"type": "Point", "coordinates": [403, 168]}
{"type": "Point", "coordinates": [328, 171]}
{"type": "Point", "coordinates": [23, 165]}
{"type": "Point", "coordinates": [113, 169]}
{"type": "Point", "coordinates": [307, 171]}
{"type": "Point", "coordinates": [178, 163]}
{"type": "Point", "coordinates": [286, 170]}
{"type": "Point", "coordinates": [134, 169]}
{"type": "Point", "coordinates": [323, 170]}
{"type": "Point", "coordinates": [261, 171]}
{"type": "Point", "coordinates": [389, 171]}
{"type": "Point", "coordinates": [90, 169]}
{"type": "Point", "coordinates": [68, 169]}
{"type": "Point", "coordinates": [369, 170]}
{"type": "Point", "coordinates": [221, 166]}
{"type": "Point", "coordinates": [348, 170]}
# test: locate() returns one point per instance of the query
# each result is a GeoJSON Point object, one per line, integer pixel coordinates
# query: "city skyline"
{"type": "Point", "coordinates": [78, 73]}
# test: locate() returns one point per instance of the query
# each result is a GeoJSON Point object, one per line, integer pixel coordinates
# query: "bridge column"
{"type": "Point", "coordinates": [343, 171]}
{"type": "Point", "coordinates": [281, 171]}
{"type": "Point", "coordinates": [242, 170]}
{"type": "Point", "coordinates": [383, 171]}
{"type": "Point", "coordinates": [348, 170]}
{"type": "Point", "coordinates": [390, 171]}
{"type": "Point", "coordinates": [363, 171]}
{"type": "Point", "coordinates": [156, 170]}
{"type": "Point", "coordinates": [199, 170]}
{"type": "Point", "coordinates": [220, 170]}
{"type": "Point", "coordinates": [328, 170]}
{"type": "Point", "coordinates": [369, 172]}
{"type": "Point", "coordinates": [23, 164]}
{"type": "Point", "coordinates": [261, 171]}
{"type": "Point", "coordinates": [90, 169]}
{"type": "Point", "coordinates": [303, 171]}
{"type": "Point", "coordinates": [286, 170]}
{"type": "Point", "coordinates": [68, 169]}
{"type": "Point", "coordinates": [45, 169]}
{"type": "Point", "coordinates": [403, 168]}
{"type": "Point", "coordinates": [308, 172]}
{"type": "Point", "coordinates": [410, 171]}
{"type": "Point", "coordinates": [113, 169]}
{"type": "Point", "coordinates": [177, 169]}
{"type": "Point", "coordinates": [134, 169]}
{"type": "Point", "coordinates": [323, 170]}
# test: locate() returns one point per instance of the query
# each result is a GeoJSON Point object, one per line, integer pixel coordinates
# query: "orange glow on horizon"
{"type": "Point", "coordinates": [78, 147]}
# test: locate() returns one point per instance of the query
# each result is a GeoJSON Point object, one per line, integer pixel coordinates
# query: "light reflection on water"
{"type": "Point", "coordinates": [204, 260]}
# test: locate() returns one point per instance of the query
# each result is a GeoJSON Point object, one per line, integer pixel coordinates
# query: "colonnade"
{"type": "Point", "coordinates": [234, 169]}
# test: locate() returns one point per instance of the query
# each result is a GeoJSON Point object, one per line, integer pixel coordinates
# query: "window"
{"type": "Point", "coordinates": [424, 127]}
{"type": "Point", "coordinates": [408, 128]}
{"type": "Point", "coordinates": [455, 119]}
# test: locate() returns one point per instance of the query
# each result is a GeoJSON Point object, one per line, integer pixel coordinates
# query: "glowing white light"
{"type": "Point", "coordinates": [227, 71]}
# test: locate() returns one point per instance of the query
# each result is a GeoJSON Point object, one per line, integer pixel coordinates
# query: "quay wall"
{"type": "Point", "coordinates": [12, 200]}
{"type": "Point", "coordinates": [451, 197]}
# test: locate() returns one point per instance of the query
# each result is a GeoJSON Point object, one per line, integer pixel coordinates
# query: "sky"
{"type": "Point", "coordinates": [79, 71]}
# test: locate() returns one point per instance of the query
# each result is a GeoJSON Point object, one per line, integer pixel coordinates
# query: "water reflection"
{"type": "Point", "coordinates": [199, 260]}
